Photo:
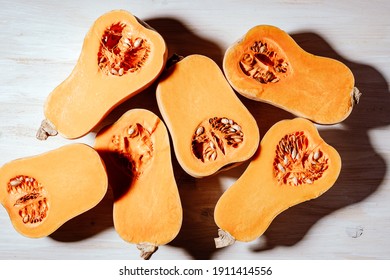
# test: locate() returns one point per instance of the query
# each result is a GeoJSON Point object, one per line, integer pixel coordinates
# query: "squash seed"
{"type": "Point", "coordinates": [200, 130]}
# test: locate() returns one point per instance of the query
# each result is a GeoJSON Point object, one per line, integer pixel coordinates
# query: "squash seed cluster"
{"type": "Point", "coordinates": [216, 136]}
{"type": "Point", "coordinates": [295, 164]}
{"type": "Point", "coordinates": [263, 63]}
{"type": "Point", "coordinates": [134, 148]}
{"type": "Point", "coordinates": [121, 51]}
{"type": "Point", "coordinates": [30, 199]}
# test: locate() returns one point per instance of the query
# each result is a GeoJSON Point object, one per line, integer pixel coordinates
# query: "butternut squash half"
{"type": "Point", "coordinates": [210, 127]}
{"type": "Point", "coordinates": [120, 57]}
{"type": "Point", "coordinates": [268, 65]}
{"type": "Point", "coordinates": [293, 164]}
{"type": "Point", "coordinates": [147, 206]}
{"type": "Point", "coordinates": [42, 192]}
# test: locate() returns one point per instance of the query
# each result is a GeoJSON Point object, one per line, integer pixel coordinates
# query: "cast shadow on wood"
{"type": "Point", "coordinates": [87, 224]}
{"type": "Point", "coordinates": [357, 181]}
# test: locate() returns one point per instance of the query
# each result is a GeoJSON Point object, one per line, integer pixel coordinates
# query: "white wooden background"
{"type": "Point", "coordinates": [40, 42]}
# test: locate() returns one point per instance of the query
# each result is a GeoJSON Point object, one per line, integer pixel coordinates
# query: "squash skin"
{"type": "Point", "coordinates": [317, 88]}
{"type": "Point", "coordinates": [195, 90]}
{"type": "Point", "coordinates": [147, 207]}
{"type": "Point", "coordinates": [73, 177]}
{"type": "Point", "coordinates": [84, 98]}
{"type": "Point", "coordinates": [249, 206]}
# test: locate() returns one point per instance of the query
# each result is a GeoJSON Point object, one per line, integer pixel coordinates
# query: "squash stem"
{"type": "Point", "coordinates": [175, 58]}
{"type": "Point", "coordinates": [224, 239]}
{"type": "Point", "coordinates": [147, 250]}
{"type": "Point", "coordinates": [356, 94]}
{"type": "Point", "coordinates": [45, 130]}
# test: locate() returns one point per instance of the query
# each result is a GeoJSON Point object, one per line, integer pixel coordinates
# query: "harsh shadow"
{"type": "Point", "coordinates": [363, 168]}
{"type": "Point", "coordinates": [182, 41]}
{"type": "Point", "coordinates": [88, 224]}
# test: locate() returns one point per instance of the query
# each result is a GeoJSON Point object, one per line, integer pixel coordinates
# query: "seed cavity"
{"type": "Point", "coordinates": [134, 148]}
{"type": "Point", "coordinates": [120, 51]}
{"type": "Point", "coordinates": [30, 199]}
{"type": "Point", "coordinates": [264, 63]}
{"type": "Point", "coordinates": [295, 164]}
{"type": "Point", "coordinates": [214, 137]}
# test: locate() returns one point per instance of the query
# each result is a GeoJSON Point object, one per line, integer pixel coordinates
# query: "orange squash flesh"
{"type": "Point", "coordinates": [268, 65]}
{"type": "Point", "coordinates": [210, 127]}
{"type": "Point", "coordinates": [119, 58]}
{"type": "Point", "coordinates": [147, 206]}
{"type": "Point", "coordinates": [293, 164]}
{"type": "Point", "coordinates": [42, 192]}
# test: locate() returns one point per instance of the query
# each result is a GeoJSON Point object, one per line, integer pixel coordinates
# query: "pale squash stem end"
{"type": "Point", "coordinates": [45, 130]}
{"type": "Point", "coordinates": [356, 94]}
{"type": "Point", "coordinates": [224, 239]}
{"type": "Point", "coordinates": [147, 250]}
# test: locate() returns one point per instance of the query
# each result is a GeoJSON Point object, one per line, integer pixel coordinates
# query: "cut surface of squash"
{"type": "Point", "coordinates": [210, 127]}
{"type": "Point", "coordinates": [293, 164]}
{"type": "Point", "coordinates": [42, 192]}
{"type": "Point", "coordinates": [120, 57]}
{"type": "Point", "coordinates": [268, 65]}
{"type": "Point", "coordinates": [147, 206]}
